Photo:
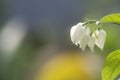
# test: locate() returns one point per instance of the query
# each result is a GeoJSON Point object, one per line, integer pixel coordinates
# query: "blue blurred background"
{"type": "Point", "coordinates": [33, 33]}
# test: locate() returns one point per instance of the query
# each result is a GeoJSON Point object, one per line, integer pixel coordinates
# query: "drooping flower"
{"type": "Point", "coordinates": [82, 36]}
{"type": "Point", "coordinates": [99, 36]}
{"type": "Point", "coordinates": [77, 32]}
{"type": "Point", "coordinates": [91, 43]}
{"type": "Point", "coordinates": [83, 42]}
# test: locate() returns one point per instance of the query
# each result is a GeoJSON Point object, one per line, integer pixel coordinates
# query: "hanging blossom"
{"type": "Point", "coordinates": [82, 36]}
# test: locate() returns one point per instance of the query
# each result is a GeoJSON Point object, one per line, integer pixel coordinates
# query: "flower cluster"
{"type": "Point", "coordinates": [81, 35]}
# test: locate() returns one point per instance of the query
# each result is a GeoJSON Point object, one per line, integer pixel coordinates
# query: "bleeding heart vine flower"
{"type": "Point", "coordinates": [99, 36]}
{"type": "Point", "coordinates": [78, 32]}
{"type": "Point", "coordinates": [82, 36]}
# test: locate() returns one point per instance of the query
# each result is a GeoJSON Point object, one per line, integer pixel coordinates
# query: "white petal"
{"type": "Point", "coordinates": [100, 36]}
{"type": "Point", "coordinates": [77, 32]}
{"type": "Point", "coordinates": [88, 31]}
{"type": "Point", "coordinates": [83, 42]}
{"type": "Point", "coordinates": [91, 43]}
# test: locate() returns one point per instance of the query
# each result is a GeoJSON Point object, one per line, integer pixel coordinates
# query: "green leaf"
{"type": "Point", "coordinates": [111, 67]}
{"type": "Point", "coordinates": [113, 18]}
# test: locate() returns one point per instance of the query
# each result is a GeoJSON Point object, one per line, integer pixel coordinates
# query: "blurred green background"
{"type": "Point", "coordinates": [33, 32]}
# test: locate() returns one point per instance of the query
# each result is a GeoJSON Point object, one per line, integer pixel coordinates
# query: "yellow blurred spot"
{"type": "Point", "coordinates": [64, 67]}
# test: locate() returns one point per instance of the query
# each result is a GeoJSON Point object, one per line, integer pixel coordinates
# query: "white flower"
{"type": "Point", "coordinates": [99, 36]}
{"type": "Point", "coordinates": [81, 35]}
{"type": "Point", "coordinates": [83, 42]}
{"type": "Point", "coordinates": [77, 32]}
{"type": "Point", "coordinates": [91, 43]}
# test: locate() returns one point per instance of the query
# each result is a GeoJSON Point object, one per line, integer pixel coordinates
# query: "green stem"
{"type": "Point", "coordinates": [89, 22]}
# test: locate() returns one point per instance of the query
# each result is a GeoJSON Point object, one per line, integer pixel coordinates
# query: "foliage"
{"type": "Point", "coordinates": [111, 68]}
{"type": "Point", "coordinates": [114, 18]}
